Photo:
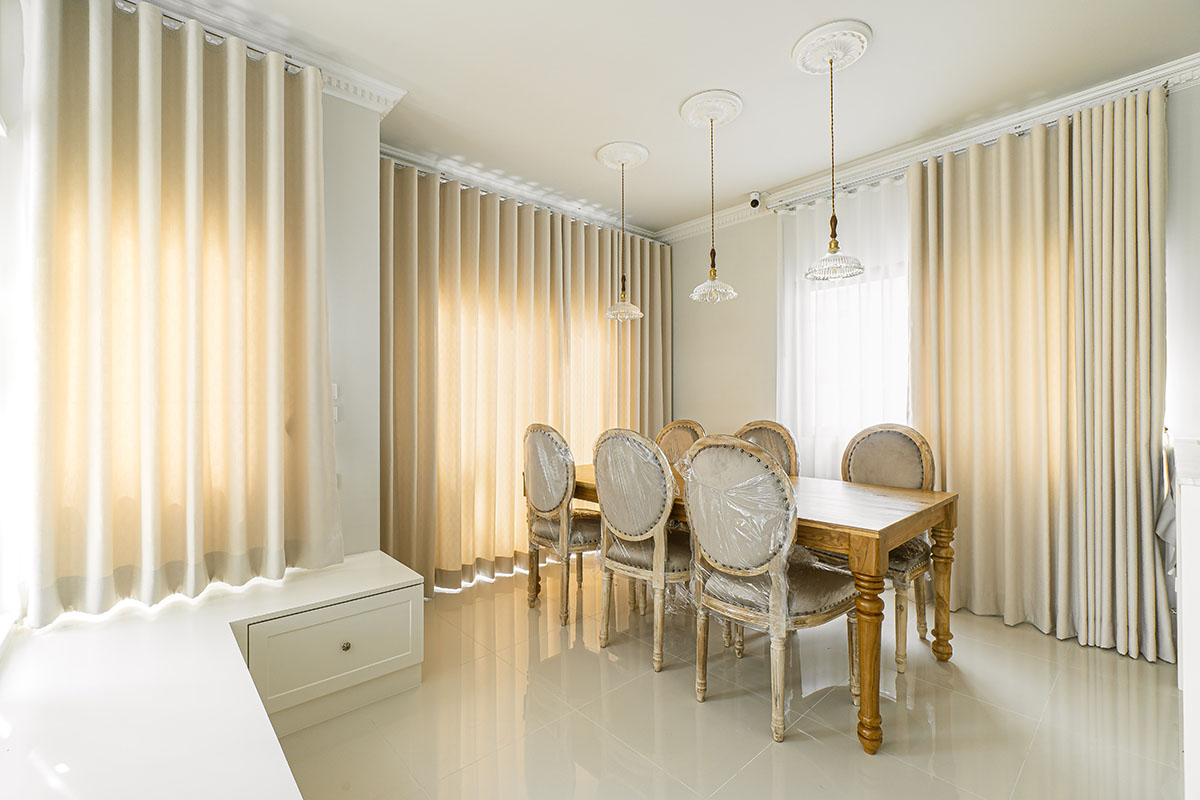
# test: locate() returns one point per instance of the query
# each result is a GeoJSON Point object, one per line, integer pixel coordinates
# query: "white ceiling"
{"type": "Point", "coordinates": [529, 89]}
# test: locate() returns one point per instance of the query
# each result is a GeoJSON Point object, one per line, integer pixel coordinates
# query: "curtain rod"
{"type": "Point", "coordinates": [401, 160]}
{"type": "Point", "coordinates": [985, 135]}
{"type": "Point", "coordinates": [174, 22]}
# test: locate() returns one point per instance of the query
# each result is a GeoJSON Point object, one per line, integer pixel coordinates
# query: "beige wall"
{"type": "Point", "coordinates": [724, 373]}
{"type": "Point", "coordinates": [1183, 264]}
{"type": "Point", "coordinates": [352, 268]}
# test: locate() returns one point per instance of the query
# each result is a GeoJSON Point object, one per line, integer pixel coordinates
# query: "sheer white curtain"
{"type": "Point", "coordinates": [182, 420]}
{"type": "Point", "coordinates": [843, 345]}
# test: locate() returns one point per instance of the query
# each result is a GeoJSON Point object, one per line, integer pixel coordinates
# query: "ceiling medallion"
{"type": "Point", "coordinates": [843, 42]}
{"type": "Point", "coordinates": [629, 154]}
{"type": "Point", "coordinates": [720, 106]}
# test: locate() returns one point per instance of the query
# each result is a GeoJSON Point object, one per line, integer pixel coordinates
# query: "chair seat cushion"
{"type": "Point", "coordinates": [814, 589]}
{"type": "Point", "coordinates": [908, 556]}
{"type": "Point", "coordinates": [902, 560]}
{"type": "Point", "coordinates": [640, 554]}
{"type": "Point", "coordinates": [585, 529]}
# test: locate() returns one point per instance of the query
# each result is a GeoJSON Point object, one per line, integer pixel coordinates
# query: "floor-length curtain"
{"type": "Point", "coordinates": [183, 424]}
{"type": "Point", "coordinates": [843, 345]}
{"type": "Point", "coordinates": [492, 318]}
{"type": "Point", "coordinates": [1038, 343]}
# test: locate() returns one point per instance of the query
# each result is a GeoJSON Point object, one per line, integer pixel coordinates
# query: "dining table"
{"type": "Point", "coordinates": [864, 522]}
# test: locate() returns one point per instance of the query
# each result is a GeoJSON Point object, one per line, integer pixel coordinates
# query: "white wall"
{"type": "Point", "coordinates": [352, 269]}
{"type": "Point", "coordinates": [724, 372]}
{"type": "Point", "coordinates": [1183, 264]}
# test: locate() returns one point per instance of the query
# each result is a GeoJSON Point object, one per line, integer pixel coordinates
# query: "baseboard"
{"type": "Point", "coordinates": [320, 709]}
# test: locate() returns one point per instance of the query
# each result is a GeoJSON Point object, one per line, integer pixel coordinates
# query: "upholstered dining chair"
{"type": "Point", "coordinates": [676, 437]}
{"type": "Point", "coordinates": [776, 439]}
{"type": "Point", "coordinates": [637, 490]}
{"type": "Point", "coordinates": [553, 524]}
{"type": "Point", "coordinates": [742, 512]}
{"type": "Point", "coordinates": [895, 455]}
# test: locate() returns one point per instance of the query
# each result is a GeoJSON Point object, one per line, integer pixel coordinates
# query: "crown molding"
{"type": "Point", "coordinates": [1175, 75]}
{"type": "Point", "coordinates": [694, 227]}
{"type": "Point", "coordinates": [1182, 73]}
{"type": "Point", "coordinates": [491, 183]}
{"type": "Point", "coordinates": [338, 80]}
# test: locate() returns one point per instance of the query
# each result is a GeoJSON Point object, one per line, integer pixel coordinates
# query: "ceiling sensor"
{"type": "Point", "coordinates": [843, 42]}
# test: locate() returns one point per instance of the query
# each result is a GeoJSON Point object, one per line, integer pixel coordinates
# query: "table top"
{"type": "Point", "coordinates": [841, 505]}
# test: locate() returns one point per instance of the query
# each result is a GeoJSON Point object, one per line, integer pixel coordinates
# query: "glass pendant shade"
{"type": "Point", "coordinates": [623, 310]}
{"type": "Point", "coordinates": [833, 266]}
{"type": "Point", "coordinates": [713, 290]}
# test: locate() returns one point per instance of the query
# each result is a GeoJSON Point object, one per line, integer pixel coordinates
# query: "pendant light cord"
{"type": "Point", "coordinates": [712, 203]}
{"type": "Point", "coordinates": [832, 167]}
{"type": "Point", "coordinates": [622, 230]}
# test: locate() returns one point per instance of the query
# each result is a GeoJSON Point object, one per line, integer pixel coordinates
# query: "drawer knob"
{"type": "Point", "coordinates": [345, 646]}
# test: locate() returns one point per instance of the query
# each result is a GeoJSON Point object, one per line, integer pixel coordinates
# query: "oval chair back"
{"type": "Point", "coordinates": [889, 455]}
{"type": "Point", "coordinates": [776, 439]}
{"type": "Point", "coordinates": [676, 437]}
{"type": "Point", "coordinates": [634, 482]}
{"type": "Point", "coordinates": [740, 505]}
{"type": "Point", "coordinates": [549, 470]}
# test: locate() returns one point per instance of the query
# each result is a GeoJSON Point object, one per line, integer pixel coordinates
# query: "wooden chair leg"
{"type": "Point", "coordinates": [778, 680]}
{"type": "Point", "coordinates": [726, 632]}
{"type": "Point", "coordinates": [901, 624]}
{"type": "Point", "coordinates": [660, 609]}
{"type": "Point", "coordinates": [633, 584]}
{"type": "Point", "coordinates": [921, 600]}
{"type": "Point", "coordinates": [852, 647]}
{"type": "Point", "coordinates": [579, 569]}
{"type": "Point", "coordinates": [739, 639]}
{"type": "Point", "coordinates": [566, 590]}
{"type": "Point", "coordinates": [606, 582]}
{"type": "Point", "coordinates": [701, 654]}
{"type": "Point", "coordinates": [641, 590]}
{"type": "Point", "coordinates": [533, 587]}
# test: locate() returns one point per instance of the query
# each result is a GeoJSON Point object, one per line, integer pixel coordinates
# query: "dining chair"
{"type": "Point", "coordinates": [742, 511]}
{"type": "Point", "coordinates": [899, 456]}
{"type": "Point", "coordinates": [637, 488]}
{"type": "Point", "coordinates": [676, 437]}
{"type": "Point", "coordinates": [776, 439]}
{"type": "Point", "coordinates": [553, 524]}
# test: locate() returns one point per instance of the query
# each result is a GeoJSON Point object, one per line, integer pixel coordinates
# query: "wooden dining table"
{"type": "Point", "coordinates": [863, 522]}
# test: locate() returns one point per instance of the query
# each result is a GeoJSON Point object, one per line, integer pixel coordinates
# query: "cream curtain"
{"type": "Point", "coordinates": [1037, 285]}
{"type": "Point", "coordinates": [181, 368]}
{"type": "Point", "coordinates": [843, 345]}
{"type": "Point", "coordinates": [492, 317]}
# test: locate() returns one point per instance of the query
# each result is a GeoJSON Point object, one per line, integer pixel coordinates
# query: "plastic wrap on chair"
{"type": "Point", "coordinates": [741, 512]}
{"type": "Point", "coordinates": [676, 437]}
{"type": "Point", "coordinates": [548, 462]}
{"type": "Point", "coordinates": [632, 485]}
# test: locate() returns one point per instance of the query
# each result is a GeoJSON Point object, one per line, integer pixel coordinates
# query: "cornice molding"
{"type": "Point", "coordinates": [339, 80]}
{"type": "Point", "coordinates": [522, 192]}
{"type": "Point", "coordinates": [1182, 73]}
{"type": "Point", "coordinates": [694, 227]}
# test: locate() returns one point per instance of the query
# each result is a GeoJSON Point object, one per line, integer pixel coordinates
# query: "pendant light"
{"type": "Point", "coordinates": [619, 155]}
{"type": "Point", "coordinates": [712, 108]}
{"type": "Point", "coordinates": [833, 46]}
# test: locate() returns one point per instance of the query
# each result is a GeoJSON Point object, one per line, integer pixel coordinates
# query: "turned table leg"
{"type": "Point", "coordinates": [943, 557]}
{"type": "Point", "coordinates": [869, 611]}
{"type": "Point", "coordinates": [533, 588]}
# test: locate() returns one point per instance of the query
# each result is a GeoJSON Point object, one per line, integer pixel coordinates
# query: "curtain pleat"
{"type": "Point", "coordinates": [184, 429]}
{"type": "Point", "coordinates": [493, 318]}
{"type": "Point", "coordinates": [1037, 357]}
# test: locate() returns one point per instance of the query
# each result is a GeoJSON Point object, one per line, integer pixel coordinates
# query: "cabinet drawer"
{"type": "Point", "coordinates": [302, 656]}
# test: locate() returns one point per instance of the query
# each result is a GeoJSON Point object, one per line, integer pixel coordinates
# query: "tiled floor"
{"type": "Point", "coordinates": [513, 705]}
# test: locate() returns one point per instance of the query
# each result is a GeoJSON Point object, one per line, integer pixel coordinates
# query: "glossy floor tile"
{"type": "Point", "coordinates": [515, 705]}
